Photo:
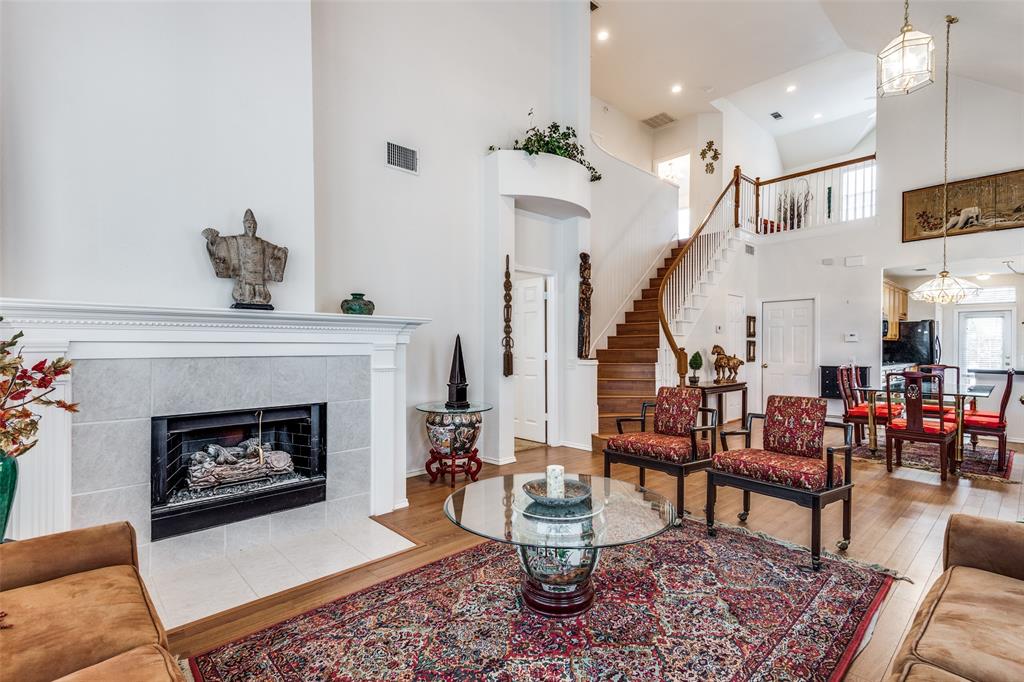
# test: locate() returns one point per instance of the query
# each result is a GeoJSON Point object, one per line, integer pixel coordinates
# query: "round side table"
{"type": "Point", "coordinates": [452, 434]}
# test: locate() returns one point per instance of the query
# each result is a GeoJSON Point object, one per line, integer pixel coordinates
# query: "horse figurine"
{"type": "Point", "coordinates": [726, 366]}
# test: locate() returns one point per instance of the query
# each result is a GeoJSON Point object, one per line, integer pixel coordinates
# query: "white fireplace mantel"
{"type": "Point", "coordinates": [82, 331]}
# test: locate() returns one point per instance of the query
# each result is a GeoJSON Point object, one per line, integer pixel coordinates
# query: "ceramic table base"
{"type": "Point", "coordinates": [556, 582]}
{"type": "Point", "coordinates": [453, 437]}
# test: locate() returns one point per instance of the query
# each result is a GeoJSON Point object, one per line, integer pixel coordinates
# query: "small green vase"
{"type": "Point", "coordinates": [8, 486]}
{"type": "Point", "coordinates": [357, 305]}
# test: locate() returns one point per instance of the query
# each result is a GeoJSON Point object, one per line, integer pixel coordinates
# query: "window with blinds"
{"type": "Point", "coordinates": [993, 295]}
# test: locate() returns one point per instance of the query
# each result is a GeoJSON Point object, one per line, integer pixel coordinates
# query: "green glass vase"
{"type": "Point", "coordinates": [8, 486]}
{"type": "Point", "coordinates": [357, 305]}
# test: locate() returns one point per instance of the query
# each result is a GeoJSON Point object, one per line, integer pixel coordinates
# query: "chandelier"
{"type": "Point", "coordinates": [907, 63]}
{"type": "Point", "coordinates": [945, 288]}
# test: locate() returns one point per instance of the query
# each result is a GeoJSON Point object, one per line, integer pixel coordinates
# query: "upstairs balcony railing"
{"type": "Point", "coordinates": [836, 193]}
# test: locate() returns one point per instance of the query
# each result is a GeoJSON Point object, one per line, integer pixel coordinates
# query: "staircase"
{"type": "Point", "coordinates": [645, 352]}
{"type": "Point", "coordinates": [627, 369]}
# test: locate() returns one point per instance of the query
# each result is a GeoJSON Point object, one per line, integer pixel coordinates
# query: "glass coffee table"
{"type": "Point", "coordinates": [558, 547]}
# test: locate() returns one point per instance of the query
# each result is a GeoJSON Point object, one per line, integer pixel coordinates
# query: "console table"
{"type": "Point", "coordinates": [452, 434]}
{"type": "Point", "coordinates": [720, 390]}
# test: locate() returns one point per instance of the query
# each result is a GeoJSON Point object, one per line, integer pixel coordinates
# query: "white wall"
{"type": "Point", "coordinates": [450, 79]}
{"type": "Point", "coordinates": [746, 144]}
{"type": "Point", "coordinates": [621, 136]}
{"type": "Point", "coordinates": [688, 136]}
{"type": "Point", "coordinates": [129, 127]}
{"type": "Point", "coordinates": [986, 137]}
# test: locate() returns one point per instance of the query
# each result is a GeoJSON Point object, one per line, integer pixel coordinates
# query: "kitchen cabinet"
{"type": "Point", "coordinates": [894, 308]}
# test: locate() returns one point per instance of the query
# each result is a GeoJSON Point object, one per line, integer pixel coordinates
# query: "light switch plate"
{"type": "Point", "coordinates": [851, 337]}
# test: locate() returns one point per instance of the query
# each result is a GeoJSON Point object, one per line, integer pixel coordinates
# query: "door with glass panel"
{"type": "Point", "coordinates": [984, 339]}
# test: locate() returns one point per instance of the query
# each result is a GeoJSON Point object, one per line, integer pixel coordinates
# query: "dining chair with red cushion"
{"type": "Point", "coordinates": [673, 447]}
{"type": "Point", "coordinates": [915, 426]}
{"type": "Point", "coordinates": [855, 409]}
{"type": "Point", "coordinates": [991, 424]}
{"type": "Point", "coordinates": [931, 407]}
{"type": "Point", "coordinates": [789, 465]}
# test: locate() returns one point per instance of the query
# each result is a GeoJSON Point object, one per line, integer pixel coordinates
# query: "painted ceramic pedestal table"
{"type": "Point", "coordinates": [453, 434]}
{"type": "Point", "coordinates": [558, 547]}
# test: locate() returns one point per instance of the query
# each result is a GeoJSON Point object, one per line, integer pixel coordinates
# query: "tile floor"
{"type": "Point", "coordinates": [188, 592]}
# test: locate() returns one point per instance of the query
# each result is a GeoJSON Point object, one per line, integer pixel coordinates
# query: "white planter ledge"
{"type": "Point", "coordinates": [546, 184]}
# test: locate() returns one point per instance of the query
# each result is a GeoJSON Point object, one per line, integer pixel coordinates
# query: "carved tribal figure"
{"type": "Point", "coordinates": [251, 261]}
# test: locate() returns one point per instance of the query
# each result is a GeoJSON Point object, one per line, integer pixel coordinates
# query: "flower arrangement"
{"type": "Point", "coordinates": [23, 386]}
{"type": "Point", "coordinates": [554, 140]}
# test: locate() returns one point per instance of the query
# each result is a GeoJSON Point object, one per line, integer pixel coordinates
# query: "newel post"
{"type": "Point", "coordinates": [757, 205]}
{"type": "Point", "coordinates": [682, 361]}
{"type": "Point", "coordinates": [736, 188]}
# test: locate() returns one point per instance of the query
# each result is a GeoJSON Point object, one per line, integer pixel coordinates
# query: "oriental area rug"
{"type": "Point", "coordinates": [982, 463]}
{"type": "Point", "coordinates": [681, 606]}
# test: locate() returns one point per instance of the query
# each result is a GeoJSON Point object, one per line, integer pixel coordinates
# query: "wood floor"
{"type": "Point", "coordinates": [898, 522]}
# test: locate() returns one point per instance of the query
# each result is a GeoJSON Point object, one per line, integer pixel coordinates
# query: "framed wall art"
{"type": "Point", "coordinates": [751, 350]}
{"type": "Point", "coordinates": [985, 204]}
{"type": "Point", "coordinates": [751, 326]}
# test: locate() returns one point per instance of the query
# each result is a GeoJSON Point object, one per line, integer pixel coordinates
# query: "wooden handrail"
{"type": "Point", "coordinates": [820, 169]}
{"type": "Point", "coordinates": [680, 353]}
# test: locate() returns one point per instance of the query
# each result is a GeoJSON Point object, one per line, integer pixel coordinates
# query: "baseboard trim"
{"type": "Point", "coordinates": [575, 446]}
{"type": "Point", "coordinates": [499, 461]}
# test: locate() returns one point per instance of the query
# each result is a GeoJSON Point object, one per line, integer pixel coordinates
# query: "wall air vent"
{"type": "Point", "coordinates": [776, 115]}
{"type": "Point", "coordinates": [749, 249]}
{"type": "Point", "coordinates": [403, 158]}
{"type": "Point", "coordinates": [658, 120]}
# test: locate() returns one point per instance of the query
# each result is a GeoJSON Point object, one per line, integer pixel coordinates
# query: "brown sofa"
{"type": "Point", "coordinates": [971, 623]}
{"type": "Point", "coordinates": [76, 609]}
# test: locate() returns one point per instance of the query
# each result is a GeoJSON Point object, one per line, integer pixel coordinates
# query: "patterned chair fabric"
{"type": "Point", "coordinates": [795, 425]}
{"type": "Point", "coordinates": [794, 471]}
{"type": "Point", "coordinates": [676, 411]}
{"type": "Point", "coordinates": [659, 446]}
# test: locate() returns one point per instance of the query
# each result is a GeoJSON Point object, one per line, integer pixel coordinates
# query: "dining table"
{"type": "Point", "coordinates": [959, 397]}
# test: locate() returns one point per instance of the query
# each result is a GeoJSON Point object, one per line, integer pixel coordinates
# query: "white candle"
{"type": "Point", "coordinates": [556, 481]}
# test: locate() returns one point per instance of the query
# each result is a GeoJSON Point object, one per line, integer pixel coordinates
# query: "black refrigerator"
{"type": "Point", "coordinates": [918, 344]}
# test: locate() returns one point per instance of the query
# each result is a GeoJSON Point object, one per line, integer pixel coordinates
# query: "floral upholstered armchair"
{"type": "Point", "coordinates": [673, 447]}
{"type": "Point", "coordinates": [789, 465]}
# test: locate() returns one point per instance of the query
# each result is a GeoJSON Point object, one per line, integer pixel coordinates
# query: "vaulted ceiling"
{"type": "Point", "coordinates": [715, 48]}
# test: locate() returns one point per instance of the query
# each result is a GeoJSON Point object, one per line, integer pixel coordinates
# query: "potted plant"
{"type": "Point", "coordinates": [21, 387]}
{"type": "Point", "coordinates": [696, 362]}
{"type": "Point", "coordinates": [553, 140]}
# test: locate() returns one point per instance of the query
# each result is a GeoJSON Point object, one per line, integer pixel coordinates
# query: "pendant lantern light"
{"type": "Point", "coordinates": [907, 63]}
{"type": "Point", "coordinates": [945, 288]}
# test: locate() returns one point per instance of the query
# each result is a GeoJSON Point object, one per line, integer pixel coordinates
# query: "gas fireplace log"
{"type": "Point", "coordinates": [208, 474]}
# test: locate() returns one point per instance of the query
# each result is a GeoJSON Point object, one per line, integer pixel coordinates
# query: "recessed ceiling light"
{"type": "Point", "coordinates": [817, 116]}
{"type": "Point", "coordinates": [791, 88]}
{"type": "Point", "coordinates": [602, 35]}
{"type": "Point", "coordinates": [983, 276]}
{"type": "Point", "coordinates": [677, 88]}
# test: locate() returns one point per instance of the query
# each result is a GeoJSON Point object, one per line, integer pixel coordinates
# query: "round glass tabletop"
{"type": "Point", "coordinates": [616, 513]}
{"type": "Point", "coordinates": [438, 407]}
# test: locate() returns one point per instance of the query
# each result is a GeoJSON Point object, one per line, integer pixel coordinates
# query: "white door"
{"type": "Point", "coordinates": [984, 339]}
{"type": "Point", "coordinates": [735, 330]}
{"type": "Point", "coordinates": [528, 332]}
{"type": "Point", "coordinates": [788, 348]}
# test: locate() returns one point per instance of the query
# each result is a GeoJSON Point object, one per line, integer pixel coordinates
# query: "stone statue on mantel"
{"type": "Point", "coordinates": [249, 260]}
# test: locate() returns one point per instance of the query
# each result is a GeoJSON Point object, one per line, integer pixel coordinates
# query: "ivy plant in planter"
{"type": "Point", "coordinates": [554, 140]}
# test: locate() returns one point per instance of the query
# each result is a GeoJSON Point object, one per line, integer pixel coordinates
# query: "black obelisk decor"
{"type": "Point", "coordinates": [457, 384]}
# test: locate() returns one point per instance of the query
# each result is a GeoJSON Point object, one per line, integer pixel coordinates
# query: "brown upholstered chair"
{"type": "Point", "coordinates": [673, 447]}
{"type": "Point", "coordinates": [913, 426]}
{"type": "Point", "coordinates": [855, 408]}
{"type": "Point", "coordinates": [78, 610]}
{"type": "Point", "coordinates": [789, 466]}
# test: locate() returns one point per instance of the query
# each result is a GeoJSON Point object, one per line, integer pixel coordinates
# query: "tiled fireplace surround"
{"type": "Point", "coordinates": [132, 363]}
{"type": "Point", "coordinates": [110, 439]}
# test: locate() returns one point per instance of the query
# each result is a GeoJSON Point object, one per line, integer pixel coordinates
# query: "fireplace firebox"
{"type": "Point", "coordinates": [222, 467]}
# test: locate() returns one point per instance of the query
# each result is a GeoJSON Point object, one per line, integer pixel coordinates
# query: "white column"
{"type": "Point", "coordinates": [42, 503]}
{"type": "Point", "coordinates": [383, 444]}
{"type": "Point", "coordinates": [401, 418]}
